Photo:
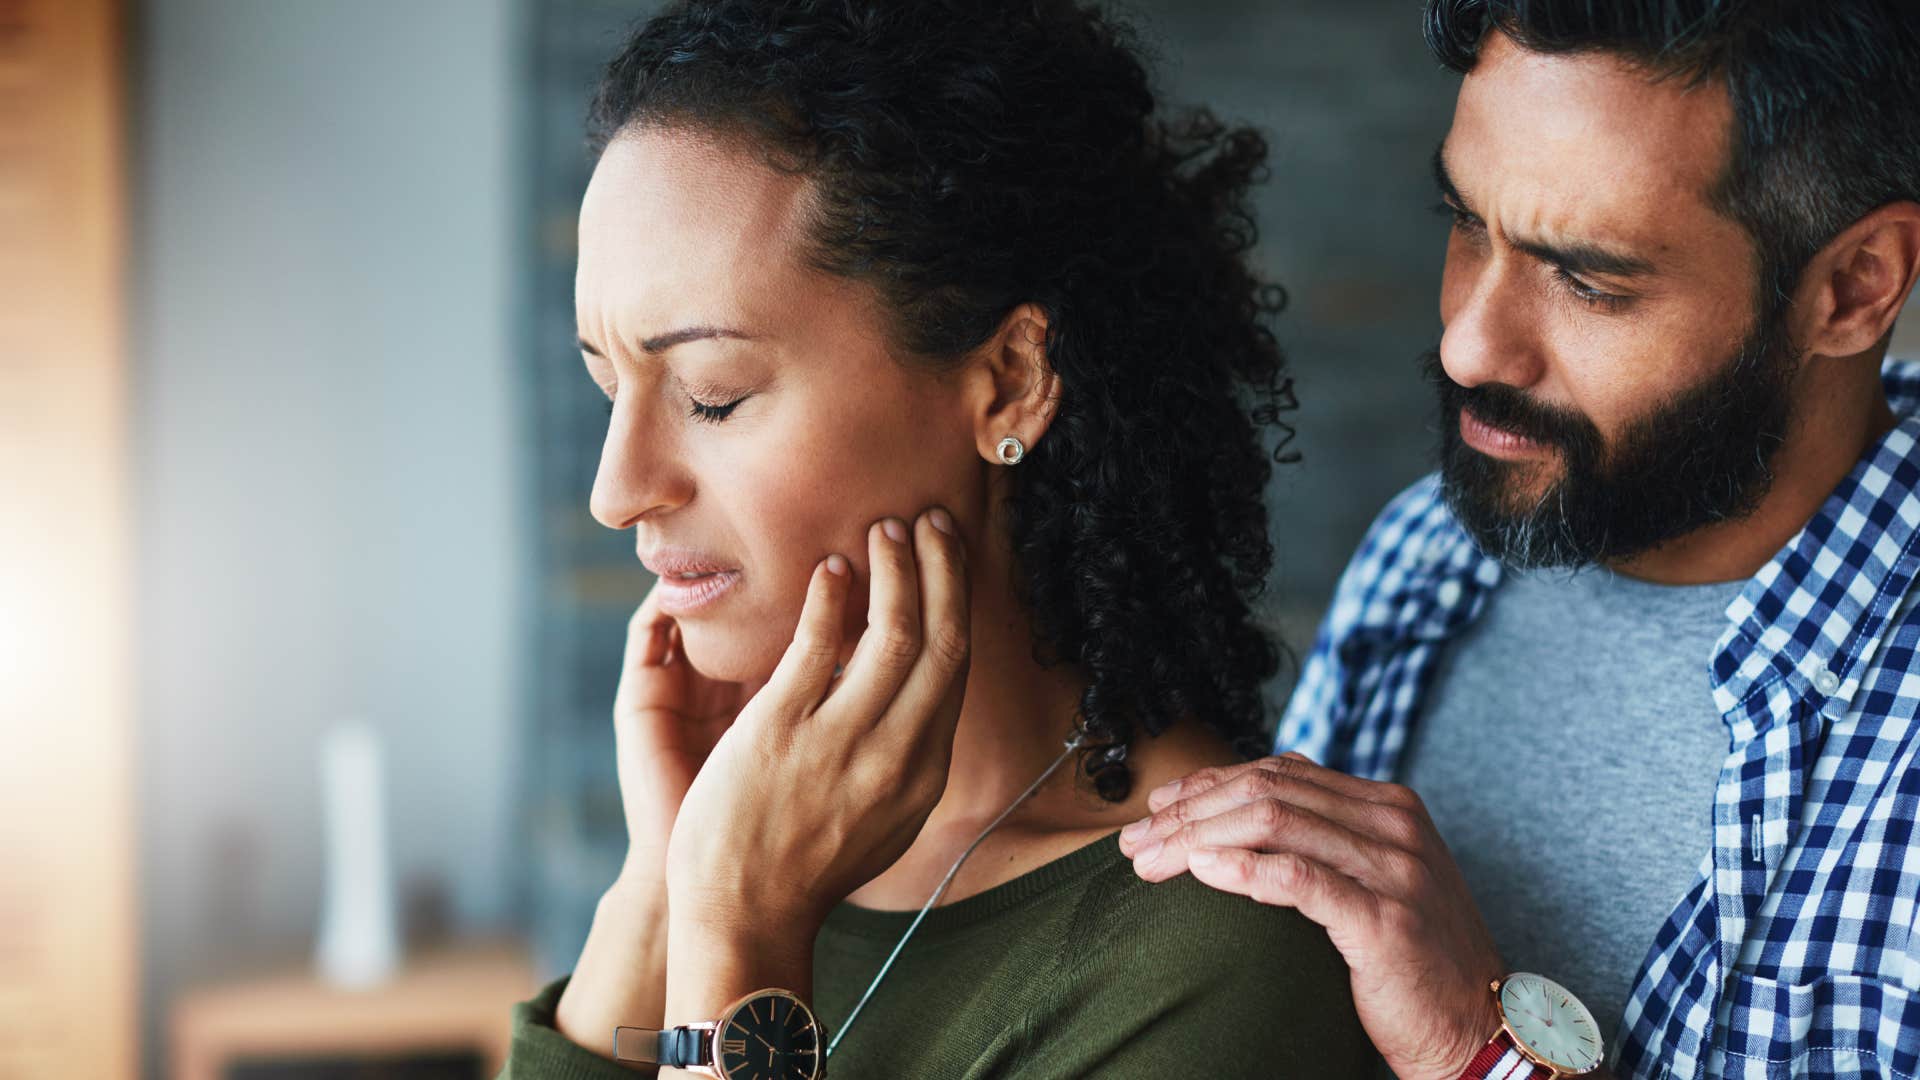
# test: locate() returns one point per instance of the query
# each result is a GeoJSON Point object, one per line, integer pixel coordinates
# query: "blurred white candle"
{"type": "Point", "coordinates": [359, 943]}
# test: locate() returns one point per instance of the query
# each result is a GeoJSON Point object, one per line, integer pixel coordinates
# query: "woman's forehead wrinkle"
{"type": "Point", "coordinates": [680, 230]}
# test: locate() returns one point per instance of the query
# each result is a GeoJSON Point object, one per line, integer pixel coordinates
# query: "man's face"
{"type": "Point", "coordinates": [1606, 380]}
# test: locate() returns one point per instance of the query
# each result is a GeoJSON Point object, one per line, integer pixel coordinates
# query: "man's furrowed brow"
{"type": "Point", "coordinates": [1574, 256]}
{"type": "Point", "coordinates": [1577, 257]}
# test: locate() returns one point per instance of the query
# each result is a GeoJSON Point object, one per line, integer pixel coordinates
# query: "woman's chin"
{"type": "Point", "coordinates": [723, 656]}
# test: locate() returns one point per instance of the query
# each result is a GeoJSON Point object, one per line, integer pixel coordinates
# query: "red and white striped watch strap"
{"type": "Point", "coordinates": [1500, 1059]}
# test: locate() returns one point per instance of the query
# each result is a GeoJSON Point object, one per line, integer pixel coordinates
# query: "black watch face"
{"type": "Point", "coordinates": [770, 1037]}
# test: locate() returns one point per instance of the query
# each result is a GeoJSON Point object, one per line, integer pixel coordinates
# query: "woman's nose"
{"type": "Point", "coordinates": [640, 470]}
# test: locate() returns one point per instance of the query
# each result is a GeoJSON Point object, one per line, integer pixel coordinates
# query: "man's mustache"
{"type": "Point", "coordinates": [1509, 409]}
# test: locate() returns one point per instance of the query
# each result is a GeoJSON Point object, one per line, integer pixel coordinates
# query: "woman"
{"type": "Point", "coordinates": [842, 261]}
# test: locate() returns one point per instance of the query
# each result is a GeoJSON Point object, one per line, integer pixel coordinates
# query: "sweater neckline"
{"type": "Point", "coordinates": [1073, 866]}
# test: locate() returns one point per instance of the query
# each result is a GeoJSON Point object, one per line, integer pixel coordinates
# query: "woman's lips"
{"type": "Point", "coordinates": [1496, 442]}
{"type": "Point", "coordinates": [683, 595]}
{"type": "Point", "coordinates": [689, 579]}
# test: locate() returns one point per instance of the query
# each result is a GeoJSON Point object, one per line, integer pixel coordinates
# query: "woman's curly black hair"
{"type": "Point", "coordinates": [973, 155]}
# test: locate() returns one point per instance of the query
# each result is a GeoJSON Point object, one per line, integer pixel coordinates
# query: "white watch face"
{"type": "Point", "coordinates": [1550, 1022]}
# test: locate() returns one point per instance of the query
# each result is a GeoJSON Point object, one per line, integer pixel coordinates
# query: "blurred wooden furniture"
{"type": "Point", "coordinates": [441, 1003]}
{"type": "Point", "coordinates": [69, 947]}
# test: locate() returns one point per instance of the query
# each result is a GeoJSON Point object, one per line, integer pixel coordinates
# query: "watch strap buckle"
{"type": "Point", "coordinates": [675, 1048]}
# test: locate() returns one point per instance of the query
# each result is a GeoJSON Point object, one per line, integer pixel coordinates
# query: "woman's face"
{"type": "Point", "coordinates": [761, 420]}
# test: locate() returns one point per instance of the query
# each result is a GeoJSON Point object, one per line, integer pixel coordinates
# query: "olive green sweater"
{"type": "Point", "coordinates": [1076, 969]}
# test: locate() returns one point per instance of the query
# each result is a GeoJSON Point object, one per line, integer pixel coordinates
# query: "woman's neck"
{"type": "Point", "coordinates": [1013, 724]}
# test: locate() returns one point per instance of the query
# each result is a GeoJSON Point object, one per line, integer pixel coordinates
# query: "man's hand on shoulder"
{"type": "Point", "coordinates": [1363, 860]}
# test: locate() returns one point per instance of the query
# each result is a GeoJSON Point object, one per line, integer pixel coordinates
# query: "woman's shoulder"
{"type": "Point", "coordinates": [1183, 925]}
{"type": "Point", "coordinates": [1153, 977]}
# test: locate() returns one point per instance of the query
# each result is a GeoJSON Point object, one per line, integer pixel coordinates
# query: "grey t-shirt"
{"type": "Point", "coordinates": [1568, 752]}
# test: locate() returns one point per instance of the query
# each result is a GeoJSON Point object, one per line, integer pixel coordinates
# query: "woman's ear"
{"type": "Point", "coordinates": [1856, 286]}
{"type": "Point", "coordinates": [1019, 390]}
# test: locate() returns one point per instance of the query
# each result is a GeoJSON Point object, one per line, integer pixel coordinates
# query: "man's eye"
{"type": "Point", "coordinates": [712, 414]}
{"type": "Point", "coordinates": [1587, 294]}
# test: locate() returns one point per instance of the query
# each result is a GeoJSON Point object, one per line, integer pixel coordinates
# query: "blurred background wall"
{"type": "Point", "coordinates": [362, 439]}
{"type": "Point", "coordinates": [329, 457]}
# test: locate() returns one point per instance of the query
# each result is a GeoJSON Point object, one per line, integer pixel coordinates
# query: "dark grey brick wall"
{"type": "Point", "coordinates": [1353, 107]}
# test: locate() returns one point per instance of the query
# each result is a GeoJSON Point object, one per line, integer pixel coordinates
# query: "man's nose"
{"type": "Point", "coordinates": [1491, 334]}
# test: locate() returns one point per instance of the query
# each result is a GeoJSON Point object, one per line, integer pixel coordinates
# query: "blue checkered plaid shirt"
{"type": "Point", "coordinates": [1795, 951]}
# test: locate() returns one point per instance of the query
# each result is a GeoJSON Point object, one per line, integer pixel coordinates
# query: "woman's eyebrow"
{"type": "Point", "coordinates": [662, 342]}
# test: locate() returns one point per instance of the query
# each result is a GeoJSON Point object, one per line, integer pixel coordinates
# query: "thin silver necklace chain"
{"type": "Point", "coordinates": [1072, 744]}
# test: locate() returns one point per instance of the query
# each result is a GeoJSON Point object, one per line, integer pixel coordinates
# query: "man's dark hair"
{"type": "Point", "coordinates": [968, 156]}
{"type": "Point", "coordinates": [1825, 93]}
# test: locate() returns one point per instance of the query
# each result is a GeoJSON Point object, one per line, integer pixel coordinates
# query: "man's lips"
{"type": "Point", "coordinates": [1496, 442]}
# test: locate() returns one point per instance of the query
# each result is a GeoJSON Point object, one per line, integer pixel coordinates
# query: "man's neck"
{"type": "Point", "coordinates": [1836, 420]}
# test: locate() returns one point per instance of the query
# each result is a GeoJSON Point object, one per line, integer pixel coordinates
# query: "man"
{"type": "Point", "coordinates": [1642, 647]}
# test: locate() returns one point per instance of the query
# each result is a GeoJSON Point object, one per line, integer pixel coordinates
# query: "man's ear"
{"type": "Point", "coordinates": [1019, 390]}
{"type": "Point", "coordinates": [1854, 287]}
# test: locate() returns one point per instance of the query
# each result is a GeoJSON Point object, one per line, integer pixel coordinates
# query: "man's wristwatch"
{"type": "Point", "coordinates": [1545, 1033]}
{"type": "Point", "coordinates": [767, 1035]}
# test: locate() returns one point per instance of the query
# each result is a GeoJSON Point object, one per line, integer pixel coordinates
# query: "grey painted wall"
{"type": "Point", "coordinates": [328, 455]}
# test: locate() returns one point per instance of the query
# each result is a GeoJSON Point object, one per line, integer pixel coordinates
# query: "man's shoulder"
{"type": "Point", "coordinates": [1414, 547]}
{"type": "Point", "coordinates": [1419, 512]}
{"type": "Point", "coordinates": [1901, 379]}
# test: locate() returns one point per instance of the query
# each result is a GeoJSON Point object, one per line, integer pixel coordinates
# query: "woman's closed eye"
{"type": "Point", "coordinates": [703, 411]}
{"type": "Point", "coordinates": [713, 414]}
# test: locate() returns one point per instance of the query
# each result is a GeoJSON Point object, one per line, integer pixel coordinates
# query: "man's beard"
{"type": "Point", "coordinates": [1697, 460]}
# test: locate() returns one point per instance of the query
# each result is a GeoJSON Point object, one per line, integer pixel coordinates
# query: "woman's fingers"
{"type": "Point", "coordinates": [647, 680]}
{"type": "Point", "coordinates": [933, 687]}
{"type": "Point", "coordinates": [806, 668]}
{"type": "Point", "coordinates": [890, 645]}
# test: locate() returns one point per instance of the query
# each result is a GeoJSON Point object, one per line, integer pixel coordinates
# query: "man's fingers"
{"type": "Point", "coordinates": [945, 638]}
{"type": "Point", "coordinates": [1304, 767]}
{"type": "Point", "coordinates": [1290, 763]}
{"type": "Point", "coordinates": [1194, 783]}
{"type": "Point", "coordinates": [1319, 892]}
{"type": "Point", "coordinates": [1261, 780]}
{"type": "Point", "coordinates": [890, 644]}
{"type": "Point", "coordinates": [806, 667]}
{"type": "Point", "coordinates": [1264, 825]}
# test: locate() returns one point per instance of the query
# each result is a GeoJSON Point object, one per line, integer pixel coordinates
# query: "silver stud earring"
{"type": "Point", "coordinates": [1011, 450]}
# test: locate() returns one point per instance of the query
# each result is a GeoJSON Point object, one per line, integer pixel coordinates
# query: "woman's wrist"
{"type": "Point", "coordinates": [621, 976]}
{"type": "Point", "coordinates": [642, 876]}
{"type": "Point", "coordinates": [713, 962]}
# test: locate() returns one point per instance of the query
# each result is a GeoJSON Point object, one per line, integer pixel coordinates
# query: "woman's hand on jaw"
{"type": "Point", "coordinates": [666, 719]}
{"type": "Point", "coordinates": [821, 784]}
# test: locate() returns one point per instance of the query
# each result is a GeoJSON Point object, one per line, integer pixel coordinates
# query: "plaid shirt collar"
{"type": "Point", "coordinates": [1814, 696]}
